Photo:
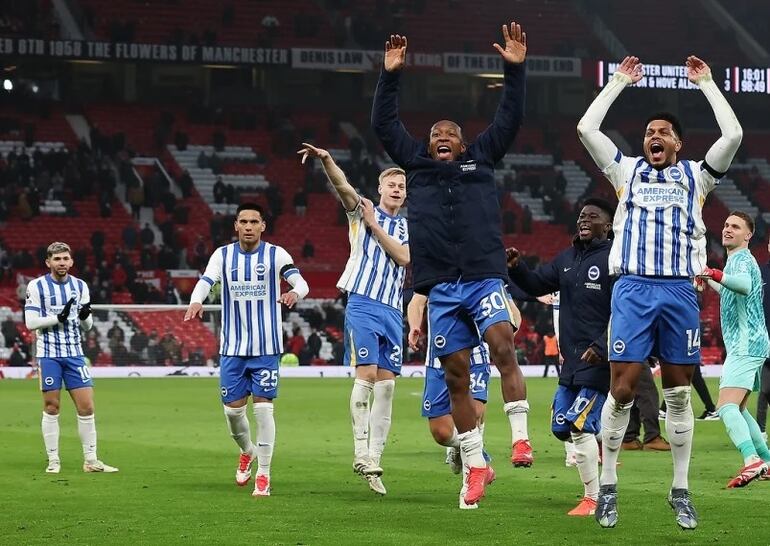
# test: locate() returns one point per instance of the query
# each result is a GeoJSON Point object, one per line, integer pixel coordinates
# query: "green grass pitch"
{"type": "Point", "coordinates": [177, 463]}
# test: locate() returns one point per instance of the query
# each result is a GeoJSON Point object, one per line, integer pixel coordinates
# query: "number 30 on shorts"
{"type": "Point", "coordinates": [492, 304]}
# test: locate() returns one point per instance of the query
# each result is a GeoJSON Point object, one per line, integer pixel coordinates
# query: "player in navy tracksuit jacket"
{"type": "Point", "coordinates": [456, 245]}
{"type": "Point", "coordinates": [580, 274]}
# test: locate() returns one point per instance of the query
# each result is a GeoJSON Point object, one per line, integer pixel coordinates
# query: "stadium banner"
{"type": "Point", "coordinates": [128, 52]}
{"type": "Point", "coordinates": [286, 371]}
{"type": "Point", "coordinates": [356, 60]}
{"type": "Point", "coordinates": [454, 63]}
{"type": "Point", "coordinates": [537, 65]}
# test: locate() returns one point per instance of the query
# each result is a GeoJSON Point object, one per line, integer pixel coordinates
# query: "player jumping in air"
{"type": "Point", "coordinates": [456, 245]}
{"type": "Point", "coordinates": [659, 246]}
{"type": "Point", "coordinates": [251, 343]}
{"type": "Point", "coordinates": [374, 281]}
{"type": "Point", "coordinates": [745, 334]}
{"type": "Point", "coordinates": [435, 399]}
{"type": "Point", "coordinates": [58, 307]}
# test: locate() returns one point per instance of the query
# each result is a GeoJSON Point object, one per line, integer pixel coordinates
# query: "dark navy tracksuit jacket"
{"type": "Point", "coordinates": [454, 213]}
{"type": "Point", "coordinates": [580, 275]}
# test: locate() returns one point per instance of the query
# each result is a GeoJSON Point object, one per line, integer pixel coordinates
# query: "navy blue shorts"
{"type": "Point", "coordinates": [653, 316]}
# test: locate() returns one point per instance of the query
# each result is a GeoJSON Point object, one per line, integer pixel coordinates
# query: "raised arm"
{"type": "Point", "coordinates": [498, 137]}
{"type": "Point", "coordinates": [396, 140]}
{"type": "Point", "coordinates": [394, 248]}
{"type": "Point", "coordinates": [722, 152]}
{"type": "Point", "coordinates": [602, 149]}
{"type": "Point", "coordinates": [348, 195]}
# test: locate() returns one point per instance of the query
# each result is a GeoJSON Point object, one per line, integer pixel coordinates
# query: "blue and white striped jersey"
{"type": "Point", "coordinates": [659, 229]}
{"type": "Point", "coordinates": [47, 297]}
{"type": "Point", "coordinates": [370, 271]}
{"type": "Point", "coordinates": [251, 287]}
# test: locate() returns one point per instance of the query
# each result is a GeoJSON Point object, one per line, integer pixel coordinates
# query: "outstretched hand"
{"type": "Point", "coordinates": [512, 257]}
{"type": "Point", "coordinates": [631, 67]}
{"type": "Point", "coordinates": [515, 49]}
{"type": "Point", "coordinates": [395, 53]}
{"type": "Point", "coordinates": [308, 150]}
{"type": "Point", "coordinates": [194, 310]}
{"type": "Point", "coordinates": [697, 70]}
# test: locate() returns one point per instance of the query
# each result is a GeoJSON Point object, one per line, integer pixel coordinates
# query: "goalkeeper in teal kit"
{"type": "Point", "coordinates": [746, 340]}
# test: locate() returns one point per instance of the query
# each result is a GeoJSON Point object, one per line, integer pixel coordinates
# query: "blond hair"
{"type": "Point", "coordinates": [390, 172]}
{"type": "Point", "coordinates": [57, 248]}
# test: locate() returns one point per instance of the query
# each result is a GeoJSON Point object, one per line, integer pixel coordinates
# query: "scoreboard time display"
{"type": "Point", "coordinates": [733, 79]}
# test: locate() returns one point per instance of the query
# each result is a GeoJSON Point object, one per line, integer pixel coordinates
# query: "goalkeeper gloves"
{"type": "Point", "coordinates": [715, 274]}
{"type": "Point", "coordinates": [85, 311]}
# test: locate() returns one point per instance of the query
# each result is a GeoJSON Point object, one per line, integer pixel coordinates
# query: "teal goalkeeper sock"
{"type": "Point", "coordinates": [738, 430]}
{"type": "Point", "coordinates": [756, 436]}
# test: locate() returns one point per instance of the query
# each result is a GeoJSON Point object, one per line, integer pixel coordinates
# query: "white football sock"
{"type": "Point", "coordinates": [615, 418]}
{"type": "Point", "coordinates": [587, 457]}
{"type": "Point", "coordinates": [379, 420]}
{"type": "Point", "coordinates": [680, 424]}
{"type": "Point", "coordinates": [569, 447]}
{"type": "Point", "coordinates": [517, 414]}
{"type": "Point", "coordinates": [263, 412]}
{"type": "Point", "coordinates": [471, 448]}
{"type": "Point", "coordinates": [50, 426]}
{"type": "Point", "coordinates": [481, 430]}
{"type": "Point", "coordinates": [238, 423]}
{"type": "Point", "coordinates": [87, 433]}
{"type": "Point", "coordinates": [359, 413]}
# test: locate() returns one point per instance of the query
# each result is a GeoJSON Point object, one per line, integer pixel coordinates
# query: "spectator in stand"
{"type": "Point", "coordinates": [172, 349]}
{"type": "Point", "coordinates": [9, 330]}
{"type": "Point", "coordinates": [138, 344]}
{"type": "Point", "coordinates": [219, 190]}
{"type": "Point", "coordinates": [232, 196]}
{"type": "Point", "coordinates": [526, 221]}
{"type": "Point", "coordinates": [129, 237]}
{"type": "Point", "coordinates": [202, 161]}
{"type": "Point", "coordinates": [300, 203]}
{"type": "Point", "coordinates": [509, 221]}
{"type": "Point", "coordinates": [119, 277]}
{"type": "Point", "coordinates": [97, 244]}
{"type": "Point", "coordinates": [200, 254]}
{"type": "Point", "coordinates": [91, 347]}
{"type": "Point", "coordinates": [338, 353]}
{"type": "Point", "coordinates": [296, 342]}
{"type": "Point", "coordinates": [120, 355]}
{"type": "Point", "coordinates": [196, 357]}
{"type": "Point", "coordinates": [116, 332]}
{"type": "Point", "coordinates": [147, 235]}
{"type": "Point", "coordinates": [181, 140]}
{"type": "Point", "coordinates": [314, 343]}
{"type": "Point", "coordinates": [169, 202]}
{"type": "Point", "coordinates": [171, 295]}
{"type": "Point", "coordinates": [308, 250]}
{"type": "Point", "coordinates": [155, 353]}
{"type": "Point", "coordinates": [135, 196]}
{"type": "Point", "coordinates": [20, 355]}
{"type": "Point", "coordinates": [185, 182]}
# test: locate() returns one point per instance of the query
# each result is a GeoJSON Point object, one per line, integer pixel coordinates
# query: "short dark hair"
{"type": "Point", "coordinates": [250, 206]}
{"type": "Point", "coordinates": [602, 204]}
{"type": "Point", "coordinates": [745, 217]}
{"type": "Point", "coordinates": [669, 117]}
